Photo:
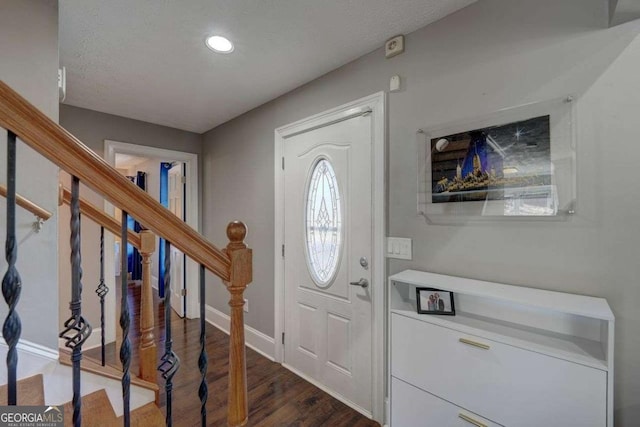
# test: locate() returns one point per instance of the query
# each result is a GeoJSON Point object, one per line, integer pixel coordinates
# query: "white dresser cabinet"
{"type": "Point", "coordinates": [415, 407]}
{"type": "Point", "coordinates": [511, 356]}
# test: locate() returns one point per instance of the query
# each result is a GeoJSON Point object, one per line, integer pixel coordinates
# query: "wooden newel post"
{"type": "Point", "coordinates": [148, 354]}
{"type": "Point", "coordinates": [240, 276]}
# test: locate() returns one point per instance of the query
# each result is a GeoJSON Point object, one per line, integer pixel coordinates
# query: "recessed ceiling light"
{"type": "Point", "coordinates": [219, 44]}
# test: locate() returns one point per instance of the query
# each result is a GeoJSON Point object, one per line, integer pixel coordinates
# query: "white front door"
{"type": "Point", "coordinates": [176, 204]}
{"type": "Point", "coordinates": [328, 247]}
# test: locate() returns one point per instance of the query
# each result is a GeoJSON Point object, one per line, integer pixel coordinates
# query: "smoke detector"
{"type": "Point", "coordinates": [394, 46]}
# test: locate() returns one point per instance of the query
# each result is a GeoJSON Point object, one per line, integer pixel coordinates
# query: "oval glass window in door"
{"type": "Point", "coordinates": [323, 223]}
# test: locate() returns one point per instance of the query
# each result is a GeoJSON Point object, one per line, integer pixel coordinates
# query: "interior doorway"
{"type": "Point", "coordinates": [185, 273]}
{"type": "Point", "coordinates": [175, 189]}
{"type": "Point", "coordinates": [166, 182]}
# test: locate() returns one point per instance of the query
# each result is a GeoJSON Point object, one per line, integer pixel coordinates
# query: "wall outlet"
{"type": "Point", "coordinates": [400, 248]}
{"type": "Point", "coordinates": [246, 305]}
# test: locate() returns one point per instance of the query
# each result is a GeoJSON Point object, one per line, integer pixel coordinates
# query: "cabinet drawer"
{"type": "Point", "coordinates": [412, 407]}
{"type": "Point", "coordinates": [511, 385]}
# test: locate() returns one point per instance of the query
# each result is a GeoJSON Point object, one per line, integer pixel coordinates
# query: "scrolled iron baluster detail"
{"type": "Point", "coordinates": [125, 348]}
{"type": "Point", "coordinates": [102, 290]}
{"type": "Point", "coordinates": [170, 362]}
{"type": "Point", "coordinates": [76, 328]}
{"type": "Point", "coordinates": [11, 282]}
{"type": "Point", "coordinates": [203, 391]}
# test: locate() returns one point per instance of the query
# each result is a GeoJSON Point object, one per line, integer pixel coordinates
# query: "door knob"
{"type": "Point", "coordinates": [364, 283]}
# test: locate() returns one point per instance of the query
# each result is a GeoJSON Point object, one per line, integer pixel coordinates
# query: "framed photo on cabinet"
{"type": "Point", "coordinates": [435, 301]}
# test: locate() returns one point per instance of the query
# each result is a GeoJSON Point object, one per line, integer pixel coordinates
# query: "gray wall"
{"type": "Point", "coordinates": [92, 128]}
{"type": "Point", "coordinates": [29, 64]}
{"type": "Point", "coordinates": [492, 55]}
{"type": "Point", "coordinates": [622, 11]}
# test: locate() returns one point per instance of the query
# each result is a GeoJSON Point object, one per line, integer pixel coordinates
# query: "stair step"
{"type": "Point", "coordinates": [108, 371]}
{"type": "Point", "coordinates": [96, 411]}
{"type": "Point", "coordinates": [148, 415]}
{"type": "Point", "coordinates": [30, 391]}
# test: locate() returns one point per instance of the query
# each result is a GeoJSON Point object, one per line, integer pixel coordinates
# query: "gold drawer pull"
{"type": "Point", "coordinates": [475, 344]}
{"type": "Point", "coordinates": [472, 421]}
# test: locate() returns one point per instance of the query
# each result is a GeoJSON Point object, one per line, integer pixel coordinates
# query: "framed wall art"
{"type": "Point", "coordinates": [514, 163]}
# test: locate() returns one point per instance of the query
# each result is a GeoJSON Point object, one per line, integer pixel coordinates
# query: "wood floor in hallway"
{"type": "Point", "coordinates": [277, 397]}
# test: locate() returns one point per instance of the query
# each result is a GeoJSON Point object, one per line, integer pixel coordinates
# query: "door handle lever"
{"type": "Point", "coordinates": [363, 283]}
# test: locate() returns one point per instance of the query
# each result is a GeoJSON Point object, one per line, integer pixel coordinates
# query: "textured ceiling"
{"type": "Point", "coordinates": [146, 59]}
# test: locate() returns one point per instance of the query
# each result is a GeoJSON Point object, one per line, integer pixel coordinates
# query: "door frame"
{"type": "Point", "coordinates": [375, 106]}
{"type": "Point", "coordinates": [183, 200]}
{"type": "Point", "coordinates": [191, 198]}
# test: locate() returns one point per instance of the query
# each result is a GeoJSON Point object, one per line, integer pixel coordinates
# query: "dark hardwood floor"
{"type": "Point", "coordinates": [277, 397]}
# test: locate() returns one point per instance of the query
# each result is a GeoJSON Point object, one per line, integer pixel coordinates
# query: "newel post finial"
{"type": "Point", "coordinates": [236, 232]}
{"type": "Point", "coordinates": [240, 275]}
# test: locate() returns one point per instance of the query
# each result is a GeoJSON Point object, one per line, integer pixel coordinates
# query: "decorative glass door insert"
{"type": "Point", "coordinates": [323, 223]}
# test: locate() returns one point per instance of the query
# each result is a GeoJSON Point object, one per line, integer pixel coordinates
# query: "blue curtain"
{"type": "Point", "coordinates": [130, 226]}
{"type": "Point", "coordinates": [164, 201]}
{"type": "Point", "coordinates": [133, 256]}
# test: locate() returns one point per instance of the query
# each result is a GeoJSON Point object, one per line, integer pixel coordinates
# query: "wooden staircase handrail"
{"type": "Point", "coordinates": [98, 215]}
{"type": "Point", "coordinates": [233, 264]}
{"type": "Point", "coordinates": [27, 204]}
{"type": "Point", "coordinates": [56, 144]}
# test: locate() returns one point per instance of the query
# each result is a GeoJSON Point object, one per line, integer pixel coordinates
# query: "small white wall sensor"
{"type": "Point", "coordinates": [394, 83]}
{"type": "Point", "coordinates": [62, 84]}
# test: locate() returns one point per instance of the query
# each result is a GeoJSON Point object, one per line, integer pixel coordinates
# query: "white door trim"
{"type": "Point", "coordinates": [192, 218]}
{"type": "Point", "coordinates": [376, 104]}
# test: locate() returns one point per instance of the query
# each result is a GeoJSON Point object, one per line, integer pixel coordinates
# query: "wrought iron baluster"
{"type": "Point", "coordinates": [76, 328]}
{"type": "Point", "coordinates": [11, 282]}
{"type": "Point", "coordinates": [102, 290]}
{"type": "Point", "coordinates": [203, 391]}
{"type": "Point", "coordinates": [125, 348]}
{"type": "Point", "coordinates": [170, 362]}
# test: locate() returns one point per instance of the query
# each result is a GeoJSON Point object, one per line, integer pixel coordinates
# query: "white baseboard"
{"type": "Point", "coordinates": [32, 359]}
{"type": "Point", "coordinates": [256, 340]}
{"type": "Point", "coordinates": [39, 350]}
{"type": "Point", "coordinates": [33, 348]}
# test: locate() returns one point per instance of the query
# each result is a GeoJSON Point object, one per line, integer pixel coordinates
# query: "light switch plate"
{"type": "Point", "coordinates": [399, 248]}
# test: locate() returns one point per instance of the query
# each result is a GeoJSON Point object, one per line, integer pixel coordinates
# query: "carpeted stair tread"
{"type": "Point", "coordinates": [89, 365]}
{"type": "Point", "coordinates": [96, 411]}
{"type": "Point", "coordinates": [148, 415]}
{"type": "Point", "coordinates": [30, 391]}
